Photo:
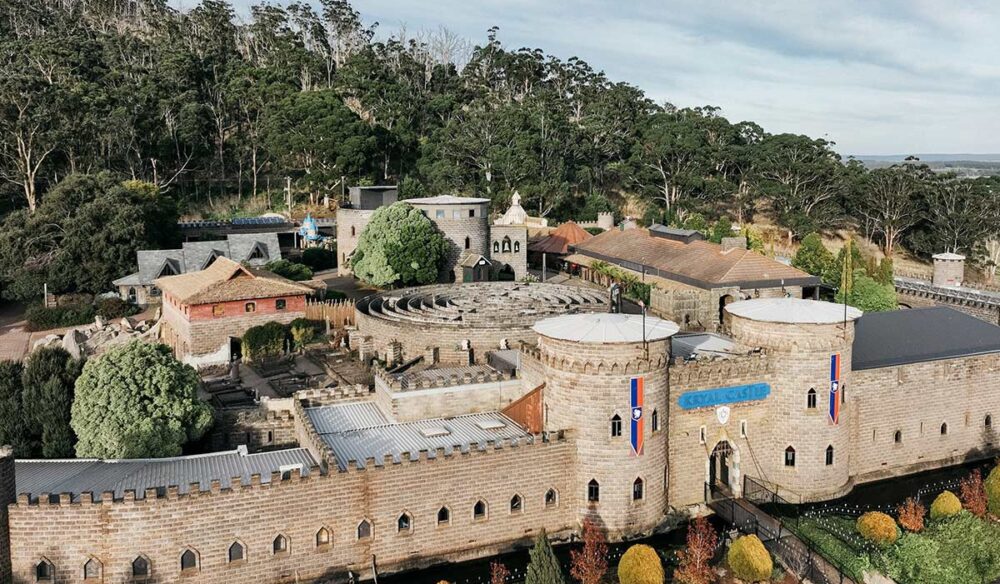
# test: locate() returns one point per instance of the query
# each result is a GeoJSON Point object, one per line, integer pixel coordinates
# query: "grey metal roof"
{"type": "Point", "coordinates": [345, 417]}
{"type": "Point", "coordinates": [689, 345]}
{"type": "Point", "coordinates": [193, 255]}
{"type": "Point", "coordinates": [458, 434]}
{"type": "Point", "coordinates": [793, 311]}
{"type": "Point", "coordinates": [82, 475]}
{"type": "Point", "coordinates": [885, 339]}
{"type": "Point", "coordinates": [603, 327]}
{"type": "Point", "coordinates": [129, 280]}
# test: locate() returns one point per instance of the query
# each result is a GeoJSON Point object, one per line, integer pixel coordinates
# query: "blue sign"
{"type": "Point", "coordinates": [707, 398]}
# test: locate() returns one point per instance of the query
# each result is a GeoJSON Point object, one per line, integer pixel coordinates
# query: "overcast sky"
{"type": "Point", "coordinates": [876, 77]}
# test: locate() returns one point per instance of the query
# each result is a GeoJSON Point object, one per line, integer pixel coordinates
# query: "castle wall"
{"type": "Point", "coordinates": [350, 224]}
{"type": "Point", "coordinates": [115, 533]}
{"type": "Point", "coordinates": [916, 400]}
{"type": "Point", "coordinates": [586, 385]}
{"type": "Point", "coordinates": [912, 298]}
{"type": "Point", "coordinates": [462, 395]}
{"type": "Point", "coordinates": [7, 497]}
{"type": "Point", "coordinates": [476, 229]}
{"type": "Point", "coordinates": [517, 257]}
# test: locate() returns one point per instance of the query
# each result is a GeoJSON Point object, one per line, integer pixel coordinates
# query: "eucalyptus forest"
{"type": "Point", "coordinates": [118, 116]}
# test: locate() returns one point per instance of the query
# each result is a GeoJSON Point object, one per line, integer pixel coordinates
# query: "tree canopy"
{"type": "Point", "coordinates": [137, 401]}
{"type": "Point", "coordinates": [399, 247]}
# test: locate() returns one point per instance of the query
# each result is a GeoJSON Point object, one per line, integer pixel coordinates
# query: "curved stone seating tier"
{"type": "Point", "coordinates": [480, 304]}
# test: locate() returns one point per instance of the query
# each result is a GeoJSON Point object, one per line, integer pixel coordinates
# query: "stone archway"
{"type": "Point", "coordinates": [723, 470]}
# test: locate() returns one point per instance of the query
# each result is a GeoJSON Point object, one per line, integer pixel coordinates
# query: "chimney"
{"type": "Point", "coordinates": [8, 496]}
{"type": "Point", "coordinates": [949, 269]}
{"type": "Point", "coordinates": [729, 243]}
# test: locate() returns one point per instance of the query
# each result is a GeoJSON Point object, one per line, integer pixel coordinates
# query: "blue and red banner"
{"type": "Point", "coordinates": [835, 388]}
{"type": "Point", "coordinates": [637, 422]}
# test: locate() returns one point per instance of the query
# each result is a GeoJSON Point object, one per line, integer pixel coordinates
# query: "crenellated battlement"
{"type": "Point", "coordinates": [330, 395]}
{"type": "Point", "coordinates": [605, 362]}
{"type": "Point", "coordinates": [457, 454]}
{"type": "Point", "coordinates": [431, 378]}
{"type": "Point", "coordinates": [719, 369]}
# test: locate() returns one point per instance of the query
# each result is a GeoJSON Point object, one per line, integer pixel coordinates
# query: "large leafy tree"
{"type": "Point", "coordinates": [83, 235]}
{"type": "Point", "coordinates": [48, 379]}
{"type": "Point", "coordinates": [399, 247]}
{"type": "Point", "coordinates": [137, 401]}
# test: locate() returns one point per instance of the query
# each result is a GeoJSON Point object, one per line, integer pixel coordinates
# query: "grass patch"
{"type": "Point", "coordinates": [957, 550]}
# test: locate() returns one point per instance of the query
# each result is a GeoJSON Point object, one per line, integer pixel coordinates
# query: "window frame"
{"type": "Point", "coordinates": [829, 455]}
{"type": "Point", "coordinates": [50, 569]}
{"type": "Point", "coordinates": [281, 304]}
{"type": "Point", "coordinates": [516, 505]}
{"type": "Point", "coordinates": [408, 529]}
{"type": "Point", "coordinates": [369, 527]}
{"type": "Point", "coordinates": [593, 492]}
{"type": "Point", "coordinates": [329, 537]}
{"type": "Point", "coordinates": [447, 513]}
{"type": "Point", "coordinates": [789, 459]}
{"type": "Point", "coordinates": [480, 516]}
{"type": "Point", "coordinates": [654, 421]}
{"type": "Point", "coordinates": [285, 550]}
{"type": "Point", "coordinates": [218, 310]}
{"type": "Point", "coordinates": [243, 553]}
{"type": "Point", "coordinates": [250, 307]}
{"type": "Point", "coordinates": [197, 561]}
{"type": "Point", "coordinates": [149, 568]}
{"type": "Point", "coordinates": [616, 426]}
{"type": "Point", "coordinates": [811, 399]}
{"type": "Point", "coordinates": [555, 498]}
{"type": "Point", "coordinates": [638, 489]}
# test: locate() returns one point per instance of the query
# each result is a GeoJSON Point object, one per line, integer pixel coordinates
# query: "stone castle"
{"type": "Point", "coordinates": [469, 445]}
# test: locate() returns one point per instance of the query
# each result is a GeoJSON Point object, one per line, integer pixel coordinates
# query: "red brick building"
{"type": "Point", "coordinates": [206, 312]}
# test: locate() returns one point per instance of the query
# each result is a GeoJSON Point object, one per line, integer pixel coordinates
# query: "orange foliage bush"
{"type": "Point", "coordinates": [694, 559]}
{"type": "Point", "coordinates": [972, 492]}
{"type": "Point", "coordinates": [911, 515]}
{"type": "Point", "coordinates": [878, 528]}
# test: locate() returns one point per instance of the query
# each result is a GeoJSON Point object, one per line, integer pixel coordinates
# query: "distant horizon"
{"type": "Point", "coordinates": [936, 156]}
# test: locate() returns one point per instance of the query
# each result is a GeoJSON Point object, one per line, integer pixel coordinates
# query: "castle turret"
{"type": "Point", "coordinates": [606, 381]}
{"type": "Point", "coordinates": [805, 445]}
{"type": "Point", "coordinates": [8, 496]}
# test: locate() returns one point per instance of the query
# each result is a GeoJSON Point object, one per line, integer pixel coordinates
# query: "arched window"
{"type": "Point", "coordinates": [517, 246]}
{"type": "Point", "coordinates": [404, 523]}
{"type": "Point", "coordinates": [236, 552]}
{"type": "Point", "coordinates": [444, 516]}
{"type": "Point", "coordinates": [811, 399]}
{"type": "Point", "coordinates": [468, 243]}
{"type": "Point", "coordinates": [944, 428]}
{"type": "Point", "coordinates": [45, 571]}
{"type": "Point", "coordinates": [829, 455]}
{"type": "Point", "coordinates": [364, 529]}
{"type": "Point", "coordinates": [140, 567]}
{"type": "Point", "coordinates": [189, 560]}
{"type": "Point", "coordinates": [655, 421]}
{"type": "Point", "coordinates": [479, 510]}
{"type": "Point", "coordinates": [637, 491]}
{"type": "Point", "coordinates": [616, 426]}
{"type": "Point", "coordinates": [551, 498]}
{"type": "Point", "coordinates": [898, 437]}
{"type": "Point", "coordinates": [789, 456]}
{"type": "Point", "coordinates": [496, 247]}
{"type": "Point", "coordinates": [593, 491]}
{"type": "Point", "coordinates": [322, 537]}
{"type": "Point", "coordinates": [279, 545]}
{"type": "Point", "coordinates": [505, 246]}
{"type": "Point", "coordinates": [988, 422]}
{"type": "Point", "coordinates": [92, 569]}
{"type": "Point", "coordinates": [516, 504]}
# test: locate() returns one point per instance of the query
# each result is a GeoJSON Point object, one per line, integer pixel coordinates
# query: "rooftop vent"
{"type": "Point", "coordinates": [435, 432]}
{"type": "Point", "coordinates": [491, 424]}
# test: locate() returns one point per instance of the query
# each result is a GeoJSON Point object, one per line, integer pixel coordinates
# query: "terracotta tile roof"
{"type": "Point", "coordinates": [567, 234]}
{"type": "Point", "coordinates": [226, 280]}
{"type": "Point", "coordinates": [698, 263]}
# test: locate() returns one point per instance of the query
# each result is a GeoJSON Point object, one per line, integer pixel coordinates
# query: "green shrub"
{"type": "Point", "coordinates": [318, 258]}
{"type": "Point", "coordinates": [945, 505]}
{"type": "Point", "coordinates": [640, 565]}
{"type": "Point", "coordinates": [593, 230]}
{"type": "Point", "coordinates": [878, 528]}
{"type": "Point", "coordinates": [993, 491]}
{"type": "Point", "coordinates": [303, 331]}
{"type": "Point", "coordinates": [40, 318]}
{"type": "Point", "coordinates": [290, 270]}
{"type": "Point", "coordinates": [266, 340]}
{"type": "Point", "coordinates": [749, 560]}
{"type": "Point", "coordinates": [114, 307]}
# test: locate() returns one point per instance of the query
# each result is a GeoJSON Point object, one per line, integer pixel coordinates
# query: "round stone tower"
{"type": "Point", "coordinates": [805, 445]}
{"type": "Point", "coordinates": [606, 384]}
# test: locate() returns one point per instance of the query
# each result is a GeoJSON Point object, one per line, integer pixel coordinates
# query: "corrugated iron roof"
{"type": "Point", "coordinates": [558, 242]}
{"type": "Point", "coordinates": [97, 476]}
{"type": "Point", "coordinates": [352, 442]}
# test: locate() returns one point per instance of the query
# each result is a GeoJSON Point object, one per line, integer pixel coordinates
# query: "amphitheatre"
{"type": "Point", "coordinates": [459, 324]}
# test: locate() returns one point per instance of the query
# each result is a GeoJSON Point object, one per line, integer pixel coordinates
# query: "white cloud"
{"type": "Point", "coordinates": [892, 76]}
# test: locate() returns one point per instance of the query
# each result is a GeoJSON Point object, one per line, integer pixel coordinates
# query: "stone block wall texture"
{"type": "Point", "coordinates": [948, 272]}
{"type": "Point", "coordinates": [456, 231]}
{"type": "Point", "coordinates": [586, 385]}
{"type": "Point", "coordinates": [115, 533]}
{"type": "Point", "coordinates": [444, 402]}
{"type": "Point", "coordinates": [518, 260]}
{"type": "Point", "coordinates": [350, 224]}
{"type": "Point", "coordinates": [917, 400]}
{"type": "Point", "coordinates": [206, 335]}
{"type": "Point", "coordinates": [986, 312]}
{"type": "Point", "coordinates": [8, 497]}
